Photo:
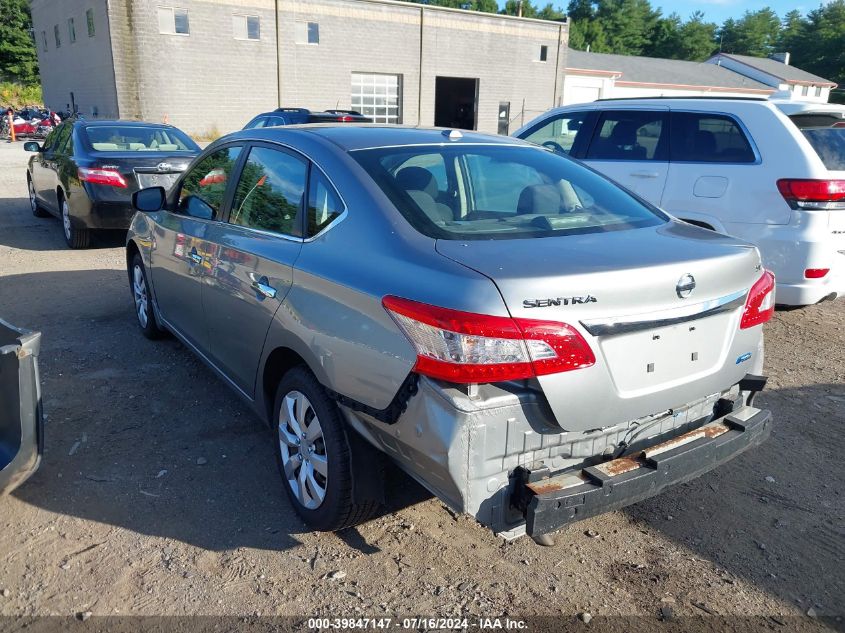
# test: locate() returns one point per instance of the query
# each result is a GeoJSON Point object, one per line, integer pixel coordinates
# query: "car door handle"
{"type": "Point", "coordinates": [195, 257]}
{"type": "Point", "coordinates": [262, 286]}
{"type": "Point", "coordinates": [645, 174]}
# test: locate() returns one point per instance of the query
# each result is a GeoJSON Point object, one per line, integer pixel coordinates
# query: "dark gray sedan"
{"type": "Point", "coordinates": [531, 342]}
{"type": "Point", "coordinates": [86, 172]}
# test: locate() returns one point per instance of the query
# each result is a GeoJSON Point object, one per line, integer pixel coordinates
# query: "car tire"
{"type": "Point", "coordinates": [142, 299]}
{"type": "Point", "coordinates": [37, 210]}
{"type": "Point", "coordinates": [312, 459]}
{"type": "Point", "coordinates": [75, 237]}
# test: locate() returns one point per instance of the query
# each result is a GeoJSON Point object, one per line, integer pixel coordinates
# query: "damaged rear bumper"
{"type": "Point", "coordinates": [549, 503]}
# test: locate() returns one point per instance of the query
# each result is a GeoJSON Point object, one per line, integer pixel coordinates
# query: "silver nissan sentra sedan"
{"type": "Point", "coordinates": [531, 342]}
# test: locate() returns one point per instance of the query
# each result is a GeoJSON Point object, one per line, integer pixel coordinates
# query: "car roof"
{"type": "Point", "coordinates": [355, 136]}
{"type": "Point", "coordinates": [795, 107]}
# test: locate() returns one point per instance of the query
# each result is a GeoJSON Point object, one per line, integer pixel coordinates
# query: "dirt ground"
{"type": "Point", "coordinates": [158, 493]}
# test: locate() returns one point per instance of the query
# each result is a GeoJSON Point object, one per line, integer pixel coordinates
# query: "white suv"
{"type": "Point", "coordinates": [737, 166]}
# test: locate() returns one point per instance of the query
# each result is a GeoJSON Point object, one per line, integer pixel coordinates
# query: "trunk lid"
{"type": "Point", "coordinates": [655, 350]}
{"type": "Point", "coordinates": [144, 168]}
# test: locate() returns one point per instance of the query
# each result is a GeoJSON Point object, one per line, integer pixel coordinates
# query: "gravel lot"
{"type": "Point", "coordinates": [158, 493]}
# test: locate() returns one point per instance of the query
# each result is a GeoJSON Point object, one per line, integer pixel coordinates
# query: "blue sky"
{"type": "Point", "coordinates": [719, 10]}
{"type": "Point", "coordinates": [714, 10]}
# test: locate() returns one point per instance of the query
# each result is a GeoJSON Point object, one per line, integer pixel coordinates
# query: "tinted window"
{"type": "Point", "coordinates": [130, 138]}
{"type": "Point", "coordinates": [829, 144]}
{"type": "Point", "coordinates": [708, 138]}
{"type": "Point", "coordinates": [259, 121]}
{"type": "Point", "coordinates": [205, 184]}
{"type": "Point", "coordinates": [505, 192]}
{"type": "Point", "coordinates": [629, 135]}
{"type": "Point", "coordinates": [558, 133]}
{"type": "Point", "coordinates": [817, 119]}
{"type": "Point", "coordinates": [324, 203]}
{"type": "Point", "coordinates": [64, 145]}
{"type": "Point", "coordinates": [53, 137]}
{"type": "Point", "coordinates": [270, 192]}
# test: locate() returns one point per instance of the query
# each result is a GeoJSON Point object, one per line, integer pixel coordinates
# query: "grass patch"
{"type": "Point", "coordinates": [18, 96]}
{"type": "Point", "coordinates": [210, 134]}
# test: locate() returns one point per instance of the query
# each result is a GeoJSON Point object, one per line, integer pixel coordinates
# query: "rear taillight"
{"type": "Point", "coordinates": [813, 194]}
{"type": "Point", "coordinates": [815, 273]}
{"type": "Point", "coordinates": [760, 305]}
{"type": "Point", "coordinates": [464, 347]}
{"type": "Point", "coordinates": [101, 176]}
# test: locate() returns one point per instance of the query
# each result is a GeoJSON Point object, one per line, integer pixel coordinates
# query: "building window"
{"type": "Point", "coordinates": [246, 27]}
{"type": "Point", "coordinates": [71, 31]}
{"type": "Point", "coordinates": [818, 91]}
{"type": "Point", "coordinates": [307, 33]}
{"type": "Point", "coordinates": [89, 18]}
{"type": "Point", "coordinates": [378, 96]}
{"type": "Point", "coordinates": [805, 91]}
{"type": "Point", "coordinates": [173, 21]}
{"type": "Point", "coordinates": [544, 53]}
{"type": "Point", "coordinates": [44, 40]}
{"type": "Point", "coordinates": [56, 35]}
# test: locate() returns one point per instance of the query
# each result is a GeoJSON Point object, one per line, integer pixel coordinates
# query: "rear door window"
{"type": "Point", "coordinates": [62, 140]}
{"type": "Point", "coordinates": [53, 137]}
{"type": "Point", "coordinates": [630, 135]}
{"type": "Point", "coordinates": [829, 144]}
{"type": "Point", "coordinates": [204, 186]}
{"type": "Point", "coordinates": [270, 192]}
{"type": "Point", "coordinates": [559, 133]}
{"type": "Point", "coordinates": [257, 122]}
{"type": "Point", "coordinates": [708, 138]}
{"type": "Point", "coordinates": [324, 203]}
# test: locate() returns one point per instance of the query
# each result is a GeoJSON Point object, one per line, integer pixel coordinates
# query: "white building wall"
{"type": "Point", "coordinates": [582, 88]}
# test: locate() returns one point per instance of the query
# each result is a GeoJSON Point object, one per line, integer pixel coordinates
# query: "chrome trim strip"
{"type": "Point", "coordinates": [651, 320]}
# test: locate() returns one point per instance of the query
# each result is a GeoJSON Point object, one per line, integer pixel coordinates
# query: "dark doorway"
{"type": "Point", "coordinates": [455, 102]}
{"type": "Point", "coordinates": [504, 117]}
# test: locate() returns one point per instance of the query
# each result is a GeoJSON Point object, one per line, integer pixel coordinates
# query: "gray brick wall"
{"type": "Point", "coordinates": [84, 67]}
{"type": "Point", "coordinates": [209, 80]}
{"type": "Point", "coordinates": [202, 81]}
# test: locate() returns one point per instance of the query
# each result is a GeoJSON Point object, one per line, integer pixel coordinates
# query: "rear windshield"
{"type": "Point", "coordinates": [127, 138]}
{"type": "Point", "coordinates": [500, 192]}
{"type": "Point", "coordinates": [829, 144]}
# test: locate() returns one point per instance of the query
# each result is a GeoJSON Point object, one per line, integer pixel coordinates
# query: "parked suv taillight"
{"type": "Point", "coordinates": [813, 194]}
{"type": "Point", "coordinates": [464, 347]}
{"type": "Point", "coordinates": [101, 176]}
{"type": "Point", "coordinates": [760, 305]}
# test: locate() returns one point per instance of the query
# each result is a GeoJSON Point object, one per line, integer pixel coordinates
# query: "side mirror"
{"type": "Point", "coordinates": [31, 146]}
{"type": "Point", "coordinates": [149, 200]}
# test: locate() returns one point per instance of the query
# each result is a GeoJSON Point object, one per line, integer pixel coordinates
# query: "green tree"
{"type": "Point", "coordinates": [627, 24]}
{"type": "Point", "coordinates": [820, 49]}
{"type": "Point", "coordinates": [696, 38]}
{"type": "Point", "coordinates": [18, 60]}
{"type": "Point", "coordinates": [755, 33]}
{"type": "Point", "coordinates": [666, 37]}
{"type": "Point", "coordinates": [793, 31]}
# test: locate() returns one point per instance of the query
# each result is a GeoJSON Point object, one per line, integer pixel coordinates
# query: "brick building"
{"type": "Point", "coordinates": [212, 64]}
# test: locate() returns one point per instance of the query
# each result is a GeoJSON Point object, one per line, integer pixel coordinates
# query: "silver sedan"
{"type": "Point", "coordinates": [531, 342]}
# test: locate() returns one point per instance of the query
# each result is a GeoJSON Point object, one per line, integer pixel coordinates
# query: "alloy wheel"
{"type": "Point", "coordinates": [139, 290]}
{"type": "Point", "coordinates": [32, 201]}
{"type": "Point", "coordinates": [303, 450]}
{"type": "Point", "coordinates": [66, 219]}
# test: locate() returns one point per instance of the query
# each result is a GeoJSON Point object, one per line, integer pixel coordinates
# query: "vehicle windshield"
{"type": "Point", "coordinates": [128, 138]}
{"type": "Point", "coordinates": [472, 192]}
{"type": "Point", "coordinates": [829, 143]}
